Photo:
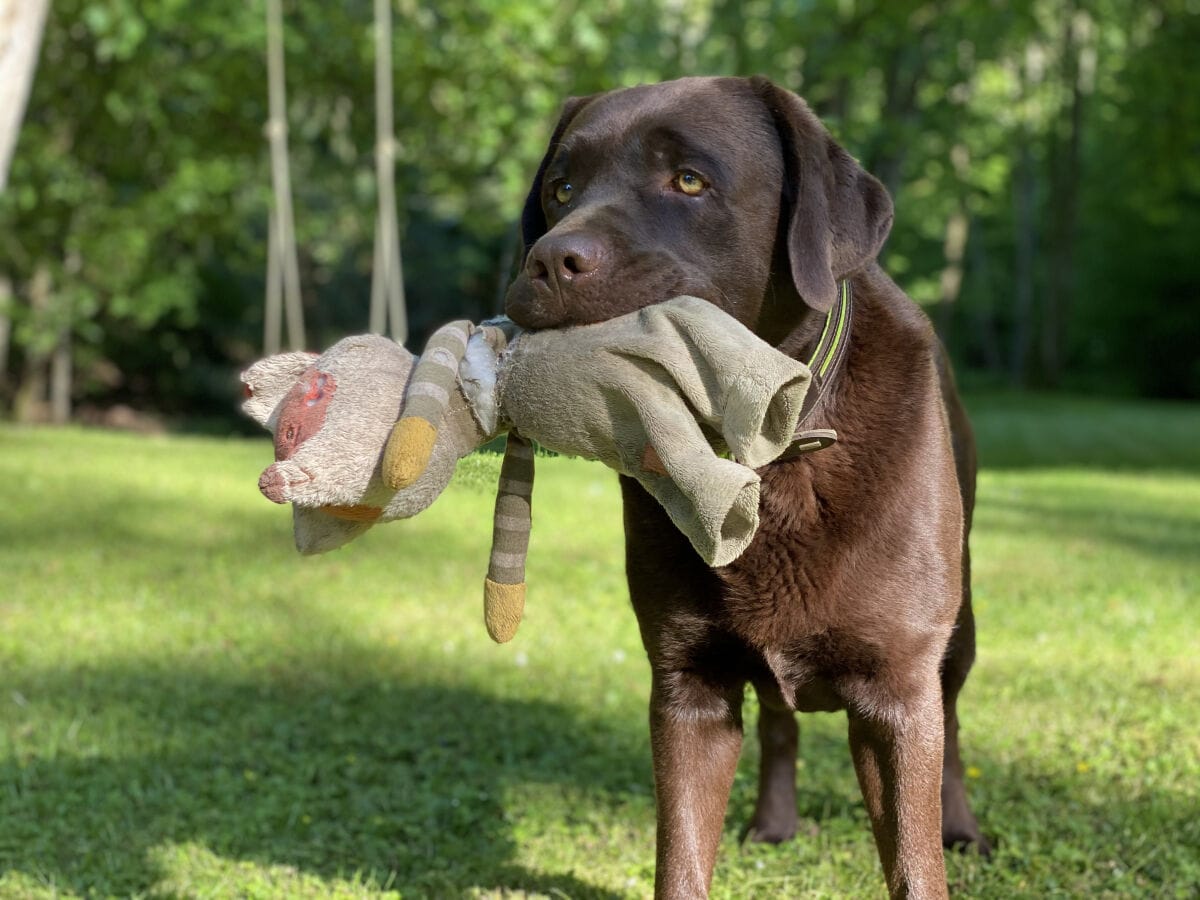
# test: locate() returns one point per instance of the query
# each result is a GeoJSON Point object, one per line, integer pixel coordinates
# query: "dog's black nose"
{"type": "Point", "coordinates": [564, 258]}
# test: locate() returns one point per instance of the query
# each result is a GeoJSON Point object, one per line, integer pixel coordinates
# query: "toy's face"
{"type": "Point", "coordinates": [300, 416]}
{"type": "Point", "coordinates": [331, 417]}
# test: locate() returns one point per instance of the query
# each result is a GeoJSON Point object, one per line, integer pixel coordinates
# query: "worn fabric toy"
{"type": "Point", "coordinates": [331, 416]}
{"type": "Point", "coordinates": [649, 394]}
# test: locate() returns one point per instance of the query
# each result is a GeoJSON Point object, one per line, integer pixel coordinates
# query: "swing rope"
{"type": "Point", "coordinates": [387, 280]}
{"type": "Point", "coordinates": [387, 313]}
{"type": "Point", "coordinates": [283, 267]}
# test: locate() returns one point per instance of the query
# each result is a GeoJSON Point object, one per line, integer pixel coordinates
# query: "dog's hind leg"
{"type": "Point", "coordinates": [959, 828]}
{"type": "Point", "coordinates": [774, 818]}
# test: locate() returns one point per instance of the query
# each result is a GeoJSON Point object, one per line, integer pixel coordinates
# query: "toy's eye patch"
{"type": "Point", "coordinates": [302, 411]}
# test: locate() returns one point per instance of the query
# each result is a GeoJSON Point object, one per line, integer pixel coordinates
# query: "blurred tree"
{"type": "Point", "coordinates": [1043, 156]}
{"type": "Point", "coordinates": [1140, 205]}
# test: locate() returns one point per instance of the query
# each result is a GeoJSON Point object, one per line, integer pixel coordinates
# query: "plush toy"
{"type": "Point", "coordinates": [331, 415]}
{"type": "Point", "coordinates": [649, 394]}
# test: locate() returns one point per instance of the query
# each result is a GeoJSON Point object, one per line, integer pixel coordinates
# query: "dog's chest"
{"type": "Point", "coordinates": [805, 598]}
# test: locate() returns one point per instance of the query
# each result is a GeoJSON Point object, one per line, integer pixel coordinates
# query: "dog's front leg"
{"type": "Point", "coordinates": [898, 759]}
{"type": "Point", "coordinates": [695, 738]}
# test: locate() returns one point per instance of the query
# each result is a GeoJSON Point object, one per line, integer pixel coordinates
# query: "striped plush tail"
{"type": "Point", "coordinates": [433, 382]}
{"type": "Point", "coordinates": [504, 587]}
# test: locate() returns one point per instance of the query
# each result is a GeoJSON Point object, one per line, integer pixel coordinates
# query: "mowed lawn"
{"type": "Point", "coordinates": [190, 709]}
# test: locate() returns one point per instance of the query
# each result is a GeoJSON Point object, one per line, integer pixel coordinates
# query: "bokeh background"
{"type": "Point", "coordinates": [1044, 156]}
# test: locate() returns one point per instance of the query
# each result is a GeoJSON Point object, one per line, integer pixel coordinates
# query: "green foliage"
{"type": "Point", "coordinates": [191, 709]}
{"type": "Point", "coordinates": [140, 182]}
{"type": "Point", "coordinates": [1140, 299]}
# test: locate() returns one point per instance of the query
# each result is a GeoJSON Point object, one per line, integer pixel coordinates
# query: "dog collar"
{"type": "Point", "coordinates": [824, 365]}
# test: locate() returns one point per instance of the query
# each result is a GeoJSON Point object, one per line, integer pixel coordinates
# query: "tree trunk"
{"type": "Point", "coordinates": [729, 19]}
{"type": "Point", "coordinates": [29, 403]}
{"type": "Point", "coordinates": [1030, 75]}
{"type": "Point", "coordinates": [1063, 202]}
{"type": "Point", "coordinates": [508, 266]}
{"type": "Point", "coordinates": [953, 249]}
{"type": "Point", "coordinates": [954, 246]}
{"type": "Point", "coordinates": [903, 74]}
{"type": "Point", "coordinates": [6, 297]}
{"type": "Point", "coordinates": [983, 314]}
{"type": "Point", "coordinates": [1025, 242]}
{"type": "Point", "coordinates": [21, 24]}
{"type": "Point", "coordinates": [60, 379]}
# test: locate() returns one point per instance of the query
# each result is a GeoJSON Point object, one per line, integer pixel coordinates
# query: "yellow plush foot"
{"type": "Point", "coordinates": [503, 606]}
{"type": "Point", "coordinates": [408, 451]}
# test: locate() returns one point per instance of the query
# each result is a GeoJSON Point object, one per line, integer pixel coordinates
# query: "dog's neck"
{"type": "Point", "coordinates": [787, 322]}
{"type": "Point", "coordinates": [813, 333]}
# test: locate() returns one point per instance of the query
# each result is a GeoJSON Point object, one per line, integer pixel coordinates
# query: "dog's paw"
{"type": "Point", "coordinates": [966, 840]}
{"type": "Point", "coordinates": [777, 829]}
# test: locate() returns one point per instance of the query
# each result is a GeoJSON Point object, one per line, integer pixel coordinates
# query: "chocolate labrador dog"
{"type": "Point", "coordinates": [855, 592]}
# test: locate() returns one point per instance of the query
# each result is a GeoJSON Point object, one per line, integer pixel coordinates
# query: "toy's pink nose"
{"type": "Point", "coordinates": [278, 480]}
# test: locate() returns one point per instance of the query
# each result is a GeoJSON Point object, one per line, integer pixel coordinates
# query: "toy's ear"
{"type": "Point", "coordinates": [837, 215]}
{"type": "Point", "coordinates": [268, 381]}
{"type": "Point", "coordinates": [533, 217]}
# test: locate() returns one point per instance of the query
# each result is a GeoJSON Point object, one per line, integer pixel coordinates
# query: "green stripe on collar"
{"type": "Point", "coordinates": [834, 333]}
{"type": "Point", "coordinates": [831, 348]}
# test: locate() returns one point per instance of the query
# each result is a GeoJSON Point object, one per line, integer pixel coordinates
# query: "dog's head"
{"type": "Point", "coordinates": [728, 189]}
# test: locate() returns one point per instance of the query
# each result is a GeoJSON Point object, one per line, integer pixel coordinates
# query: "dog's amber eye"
{"type": "Point", "coordinates": [690, 183]}
{"type": "Point", "coordinates": [562, 192]}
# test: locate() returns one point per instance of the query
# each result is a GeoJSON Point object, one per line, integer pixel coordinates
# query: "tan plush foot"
{"type": "Point", "coordinates": [503, 606]}
{"type": "Point", "coordinates": [408, 451]}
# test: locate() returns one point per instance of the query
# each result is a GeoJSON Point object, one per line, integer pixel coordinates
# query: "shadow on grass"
{"type": "Point", "coordinates": [143, 526]}
{"type": "Point", "coordinates": [405, 784]}
{"type": "Point", "coordinates": [1055, 831]}
{"type": "Point", "coordinates": [1036, 430]}
{"type": "Point", "coordinates": [384, 780]}
{"type": "Point", "coordinates": [1070, 833]}
{"type": "Point", "coordinates": [1158, 534]}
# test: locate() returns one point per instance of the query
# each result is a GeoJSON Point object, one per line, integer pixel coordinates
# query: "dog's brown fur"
{"type": "Point", "coordinates": [853, 594]}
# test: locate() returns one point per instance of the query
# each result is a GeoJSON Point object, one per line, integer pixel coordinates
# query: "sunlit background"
{"type": "Point", "coordinates": [1044, 158]}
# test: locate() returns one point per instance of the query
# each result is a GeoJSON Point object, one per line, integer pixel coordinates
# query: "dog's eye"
{"type": "Point", "coordinates": [562, 192]}
{"type": "Point", "coordinates": [690, 183]}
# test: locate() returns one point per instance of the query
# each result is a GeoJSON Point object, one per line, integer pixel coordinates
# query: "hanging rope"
{"type": "Point", "coordinates": [387, 280]}
{"type": "Point", "coordinates": [283, 267]}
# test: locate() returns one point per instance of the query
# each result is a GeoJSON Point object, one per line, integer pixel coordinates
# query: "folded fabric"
{"type": "Point", "coordinates": [649, 394]}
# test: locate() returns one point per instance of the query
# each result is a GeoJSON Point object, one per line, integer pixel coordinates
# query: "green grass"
{"type": "Point", "coordinates": [190, 709]}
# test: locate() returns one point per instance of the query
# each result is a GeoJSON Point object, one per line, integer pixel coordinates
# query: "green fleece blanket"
{"type": "Point", "coordinates": [660, 395]}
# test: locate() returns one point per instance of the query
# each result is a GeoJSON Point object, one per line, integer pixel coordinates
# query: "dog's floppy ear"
{"type": "Point", "coordinates": [837, 215]}
{"type": "Point", "coordinates": [533, 218]}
